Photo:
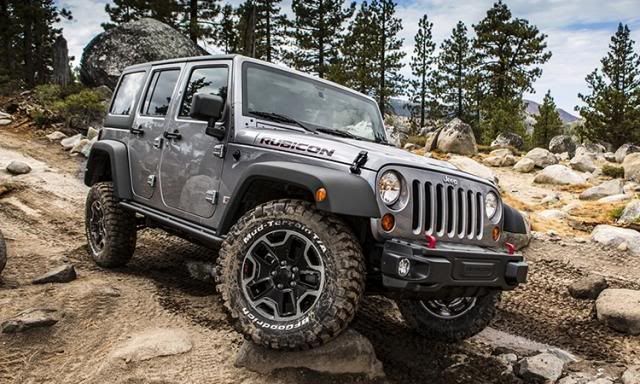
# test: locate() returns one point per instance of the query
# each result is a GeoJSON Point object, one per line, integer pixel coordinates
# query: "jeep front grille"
{"type": "Point", "coordinates": [444, 210]}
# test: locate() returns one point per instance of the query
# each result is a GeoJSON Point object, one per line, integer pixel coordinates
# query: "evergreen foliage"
{"type": "Point", "coordinates": [548, 123]}
{"type": "Point", "coordinates": [612, 109]}
{"type": "Point", "coordinates": [420, 94]}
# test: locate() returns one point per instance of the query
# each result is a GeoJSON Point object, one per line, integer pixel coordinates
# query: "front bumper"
{"type": "Point", "coordinates": [450, 266]}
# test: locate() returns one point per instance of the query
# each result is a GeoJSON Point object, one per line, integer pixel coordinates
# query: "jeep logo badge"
{"type": "Point", "coordinates": [450, 180]}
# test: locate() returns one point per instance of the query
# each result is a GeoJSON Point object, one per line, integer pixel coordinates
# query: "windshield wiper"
{"type": "Point", "coordinates": [282, 118]}
{"type": "Point", "coordinates": [339, 133]}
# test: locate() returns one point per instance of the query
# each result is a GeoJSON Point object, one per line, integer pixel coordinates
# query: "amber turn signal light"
{"type": "Point", "coordinates": [495, 233]}
{"type": "Point", "coordinates": [321, 195]}
{"type": "Point", "coordinates": [388, 222]}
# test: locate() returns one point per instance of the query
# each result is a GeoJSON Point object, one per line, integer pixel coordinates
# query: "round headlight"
{"type": "Point", "coordinates": [389, 187]}
{"type": "Point", "coordinates": [491, 204]}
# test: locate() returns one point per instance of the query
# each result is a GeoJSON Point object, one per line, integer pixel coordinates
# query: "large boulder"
{"type": "Point", "coordinates": [524, 165]}
{"type": "Point", "coordinates": [583, 163]}
{"type": "Point", "coordinates": [588, 288]}
{"type": "Point", "coordinates": [631, 166]}
{"type": "Point", "coordinates": [608, 188]}
{"type": "Point", "coordinates": [350, 353]}
{"type": "Point", "coordinates": [500, 158]}
{"type": "Point", "coordinates": [135, 42]}
{"type": "Point", "coordinates": [631, 213]}
{"type": "Point", "coordinates": [593, 150]}
{"type": "Point", "coordinates": [631, 375]}
{"type": "Point", "coordinates": [508, 139]}
{"type": "Point", "coordinates": [615, 236]}
{"type": "Point", "coordinates": [541, 157]}
{"type": "Point", "coordinates": [473, 167]}
{"type": "Point", "coordinates": [544, 367]}
{"type": "Point", "coordinates": [563, 143]}
{"type": "Point", "coordinates": [457, 137]}
{"type": "Point", "coordinates": [625, 150]}
{"type": "Point", "coordinates": [31, 318]}
{"type": "Point", "coordinates": [620, 309]}
{"type": "Point", "coordinates": [560, 175]}
{"type": "Point", "coordinates": [152, 343]}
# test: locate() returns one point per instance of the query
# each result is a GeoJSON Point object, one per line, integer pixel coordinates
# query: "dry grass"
{"type": "Point", "coordinates": [574, 188]}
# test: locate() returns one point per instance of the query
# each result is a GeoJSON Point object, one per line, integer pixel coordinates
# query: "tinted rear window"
{"type": "Point", "coordinates": [130, 85]}
{"type": "Point", "coordinates": [158, 97]}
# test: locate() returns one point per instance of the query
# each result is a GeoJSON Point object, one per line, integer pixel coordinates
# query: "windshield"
{"type": "Point", "coordinates": [271, 91]}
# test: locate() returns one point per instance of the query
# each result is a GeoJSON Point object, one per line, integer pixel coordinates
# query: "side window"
{"type": "Point", "coordinates": [158, 96]}
{"type": "Point", "coordinates": [127, 92]}
{"type": "Point", "coordinates": [211, 80]}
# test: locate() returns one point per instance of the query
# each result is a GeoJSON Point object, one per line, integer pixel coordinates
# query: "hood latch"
{"type": "Point", "coordinates": [360, 161]}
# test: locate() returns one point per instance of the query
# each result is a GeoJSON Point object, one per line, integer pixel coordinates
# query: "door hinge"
{"type": "Point", "coordinates": [158, 142]}
{"type": "Point", "coordinates": [212, 197]}
{"type": "Point", "coordinates": [151, 180]}
{"type": "Point", "coordinates": [218, 150]}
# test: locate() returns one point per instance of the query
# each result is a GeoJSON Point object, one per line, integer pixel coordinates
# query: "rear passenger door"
{"type": "Point", "coordinates": [192, 160]}
{"type": "Point", "coordinates": [146, 132]}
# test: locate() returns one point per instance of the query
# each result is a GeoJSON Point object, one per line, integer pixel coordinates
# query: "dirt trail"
{"type": "Point", "coordinates": [42, 218]}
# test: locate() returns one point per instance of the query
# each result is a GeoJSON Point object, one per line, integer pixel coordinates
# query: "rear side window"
{"type": "Point", "coordinates": [212, 80]}
{"type": "Point", "coordinates": [158, 96]}
{"type": "Point", "coordinates": [130, 85]}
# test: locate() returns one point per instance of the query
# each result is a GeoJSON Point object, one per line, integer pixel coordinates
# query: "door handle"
{"type": "Point", "coordinates": [137, 131]}
{"type": "Point", "coordinates": [175, 135]}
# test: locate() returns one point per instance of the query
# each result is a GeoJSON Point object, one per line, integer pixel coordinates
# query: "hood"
{"type": "Point", "coordinates": [340, 149]}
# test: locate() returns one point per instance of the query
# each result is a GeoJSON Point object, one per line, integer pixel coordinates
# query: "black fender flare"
{"type": "Point", "coordinates": [112, 154]}
{"type": "Point", "coordinates": [347, 194]}
{"type": "Point", "coordinates": [513, 220]}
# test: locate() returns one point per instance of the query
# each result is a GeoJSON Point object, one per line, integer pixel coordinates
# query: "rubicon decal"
{"type": "Point", "coordinates": [302, 147]}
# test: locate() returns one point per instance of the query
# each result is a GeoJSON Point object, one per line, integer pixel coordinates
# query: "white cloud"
{"type": "Point", "coordinates": [578, 32]}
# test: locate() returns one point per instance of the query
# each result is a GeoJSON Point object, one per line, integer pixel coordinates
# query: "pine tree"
{"type": "Point", "coordinates": [548, 123]}
{"type": "Point", "coordinates": [198, 18]}
{"type": "Point", "coordinates": [318, 33]}
{"type": "Point", "coordinates": [509, 51]}
{"type": "Point", "coordinates": [124, 11]}
{"type": "Point", "coordinates": [456, 68]}
{"type": "Point", "coordinates": [421, 62]}
{"type": "Point", "coordinates": [28, 40]}
{"type": "Point", "coordinates": [262, 29]}
{"type": "Point", "coordinates": [358, 66]}
{"type": "Point", "coordinates": [387, 45]}
{"type": "Point", "coordinates": [612, 110]}
{"type": "Point", "coordinates": [227, 36]}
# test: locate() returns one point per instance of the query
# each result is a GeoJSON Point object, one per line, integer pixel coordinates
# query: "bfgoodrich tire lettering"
{"type": "Point", "coordinates": [326, 315]}
{"type": "Point", "coordinates": [460, 325]}
{"type": "Point", "coordinates": [110, 229]}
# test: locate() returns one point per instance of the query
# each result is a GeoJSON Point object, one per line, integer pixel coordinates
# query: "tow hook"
{"type": "Point", "coordinates": [360, 160]}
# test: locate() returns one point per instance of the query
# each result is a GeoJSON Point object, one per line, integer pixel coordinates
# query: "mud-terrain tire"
{"type": "Point", "coordinates": [110, 229]}
{"type": "Point", "coordinates": [299, 242]}
{"type": "Point", "coordinates": [3, 253]}
{"type": "Point", "coordinates": [452, 328]}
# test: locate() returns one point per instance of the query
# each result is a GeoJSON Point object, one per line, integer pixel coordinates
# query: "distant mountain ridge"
{"type": "Point", "coordinates": [531, 108]}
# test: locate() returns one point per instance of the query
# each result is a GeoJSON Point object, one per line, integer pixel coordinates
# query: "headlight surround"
{"type": "Point", "coordinates": [389, 187]}
{"type": "Point", "coordinates": [491, 205]}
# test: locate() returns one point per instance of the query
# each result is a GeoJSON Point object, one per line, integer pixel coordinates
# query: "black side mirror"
{"type": "Point", "coordinates": [209, 108]}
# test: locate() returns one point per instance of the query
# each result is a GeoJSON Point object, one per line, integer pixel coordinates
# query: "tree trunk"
{"type": "Point", "coordinates": [193, 21]}
{"type": "Point", "coordinates": [268, 21]}
{"type": "Point", "coordinates": [61, 71]}
{"type": "Point", "coordinates": [321, 41]}
{"type": "Point", "coordinates": [383, 43]}
{"type": "Point", "coordinates": [250, 32]}
{"type": "Point", "coordinates": [5, 37]}
{"type": "Point", "coordinates": [27, 43]}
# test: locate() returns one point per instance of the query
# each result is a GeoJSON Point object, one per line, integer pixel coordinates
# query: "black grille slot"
{"type": "Point", "coordinates": [428, 207]}
{"type": "Point", "coordinates": [470, 213]}
{"type": "Point", "coordinates": [440, 207]}
{"type": "Point", "coordinates": [478, 214]}
{"type": "Point", "coordinates": [415, 198]}
{"type": "Point", "coordinates": [450, 210]}
{"type": "Point", "coordinates": [461, 204]}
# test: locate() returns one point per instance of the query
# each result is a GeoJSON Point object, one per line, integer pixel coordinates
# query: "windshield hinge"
{"type": "Point", "coordinates": [360, 161]}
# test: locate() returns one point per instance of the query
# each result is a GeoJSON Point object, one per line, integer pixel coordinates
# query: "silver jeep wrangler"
{"type": "Point", "coordinates": [293, 178]}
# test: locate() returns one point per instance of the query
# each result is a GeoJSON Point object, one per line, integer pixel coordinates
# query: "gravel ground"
{"type": "Point", "coordinates": [42, 218]}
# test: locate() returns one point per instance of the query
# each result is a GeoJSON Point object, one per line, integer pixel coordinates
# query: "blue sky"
{"type": "Point", "coordinates": [578, 32]}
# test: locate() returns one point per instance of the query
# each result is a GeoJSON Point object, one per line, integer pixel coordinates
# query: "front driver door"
{"type": "Point", "coordinates": [191, 165]}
